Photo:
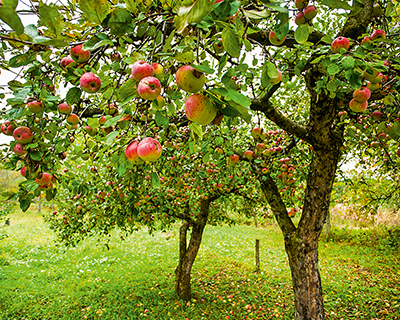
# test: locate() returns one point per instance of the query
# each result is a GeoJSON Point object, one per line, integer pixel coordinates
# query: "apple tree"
{"type": "Point", "coordinates": [313, 71]}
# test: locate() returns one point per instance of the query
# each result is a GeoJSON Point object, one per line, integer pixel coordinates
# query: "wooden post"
{"type": "Point", "coordinates": [257, 255]}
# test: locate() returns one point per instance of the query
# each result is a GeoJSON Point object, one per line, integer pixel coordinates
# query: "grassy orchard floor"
{"type": "Point", "coordinates": [134, 279]}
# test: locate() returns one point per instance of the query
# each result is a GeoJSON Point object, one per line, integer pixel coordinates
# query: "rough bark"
{"type": "Point", "coordinates": [188, 253]}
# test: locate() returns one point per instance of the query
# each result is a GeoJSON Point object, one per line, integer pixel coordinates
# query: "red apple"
{"type": "Point", "coordinates": [8, 128]}
{"type": "Point", "coordinates": [23, 171]}
{"type": "Point", "coordinates": [310, 12]}
{"type": "Point", "coordinates": [46, 186]}
{"type": "Point", "coordinates": [361, 95]}
{"type": "Point", "coordinates": [65, 62]}
{"type": "Point", "coordinates": [339, 43]}
{"type": "Point", "coordinates": [264, 170]}
{"type": "Point", "coordinates": [141, 69]}
{"type": "Point", "coordinates": [234, 159]}
{"type": "Point", "coordinates": [256, 132]}
{"type": "Point", "coordinates": [365, 40]}
{"type": "Point", "coordinates": [273, 38]}
{"type": "Point", "coordinates": [249, 155]}
{"type": "Point", "coordinates": [373, 86]}
{"type": "Point", "coordinates": [73, 119]}
{"type": "Point", "coordinates": [357, 106]}
{"type": "Point", "coordinates": [43, 178]}
{"type": "Point", "coordinates": [19, 149]}
{"type": "Point", "coordinates": [35, 106]}
{"type": "Point", "coordinates": [276, 80]}
{"type": "Point", "coordinates": [378, 34]}
{"type": "Point", "coordinates": [64, 108]}
{"type": "Point", "coordinates": [91, 132]}
{"type": "Point", "coordinates": [90, 82]}
{"type": "Point", "coordinates": [200, 109]}
{"type": "Point", "coordinates": [376, 115]}
{"type": "Point", "coordinates": [79, 55]}
{"type": "Point", "coordinates": [149, 149]}
{"type": "Point", "coordinates": [300, 19]}
{"type": "Point", "coordinates": [189, 79]}
{"type": "Point", "coordinates": [131, 153]}
{"type": "Point", "coordinates": [300, 4]}
{"type": "Point", "coordinates": [158, 69]}
{"type": "Point", "coordinates": [149, 88]}
{"type": "Point", "coordinates": [23, 135]}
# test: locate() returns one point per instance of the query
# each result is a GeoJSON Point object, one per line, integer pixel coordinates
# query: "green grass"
{"type": "Point", "coordinates": [135, 278]}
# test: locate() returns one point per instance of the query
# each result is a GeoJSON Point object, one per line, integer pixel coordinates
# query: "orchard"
{"type": "Point", "coordinates": [173, 108]}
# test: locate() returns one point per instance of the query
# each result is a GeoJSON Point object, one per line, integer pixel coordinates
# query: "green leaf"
{"type": "Point", "coordinates": [333, 69]}
{"type": "Point", "coordinates": [231, 42]}
{"type": "Point", "coordinates": [10, 16]}
{"type": "Point", "coordinates": [161, 120]}
{"type": "Point", "coordinates": [275, 6]}
{"type": "Point", "coordinates": [21, 60]}
{"type": "Point", "coordinates": [36, 155]}
{"type": "Point", "coordinates": [24, 204]}
{"type": "Point", "coordinates": [272, 70]}
{"type": "Point", "coordinates": [50, 16]}
{"type": "Point", "coordinates": [229, 109]}
{"type": "Point", "coordinates": [31, 31]}
{"type": "Point", "coordinates": [120, 22]}
{"type": "Point", "coordinates": [257, 15]}
{"type": "Point", "coordinates": [301, 34]}
{"type": "Point", "coordinates": [73, 96]}
{"type": "Point", "coordinates": [353, 78]}
{"type": "Point", "coordinates": [95, 10]}
{"type": "Point", "coordinates": [122, 168]}
{"type": "Point", "coordinates": [184, 57]}
{"type": "Point", "coordinates": [97, 41]}
{"type": "Point", "coordinates": [281, 26]}
{"type": "Point", "coordinates": [194, 13]}
{"type": "Point", "coordinates": [155, 180]}
{"type": "Point", "coordinates": [348, 62]}
{"type": "Point", "coordinates": [111, 137]}
{"type": "Point", "coordinates": [127, 91]}
{"type": "Point", "coordinates": [197, 129]}
{"type": "Point", "coordinates": [239, 98]}
{"type": "Point", "coordinates": [49, 194]}
{"type": "Point", "coordinates": [337, 4]}
{"type": "Point", "coordinates": [203, 68]}
{"type": "Point", "coordinates": [131, 5]}
{"type": "Point", "coordinates": [113, 121]}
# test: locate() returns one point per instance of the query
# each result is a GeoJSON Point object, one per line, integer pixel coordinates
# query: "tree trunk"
{"type": "Point", "coordinates": [188, 253]}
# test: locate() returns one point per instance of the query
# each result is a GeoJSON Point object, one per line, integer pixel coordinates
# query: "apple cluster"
{"type": "Point", "coordinates": [149, 86]}
{"type": "Point", "coordinates": [148, 149]}
{"type": "Point", "coordinates": [306, 12]}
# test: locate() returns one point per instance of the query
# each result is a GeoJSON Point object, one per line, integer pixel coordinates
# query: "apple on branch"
{"type": "Point", "coordinates": [73, 119]}
{"type": "Point", "coordinates": [339, 43]}
{"type": "Point", "coordinates": [200, 109]}
{"type": "Point", "coordinates": [90, 82]}
{"type": "Point", "coordinates": [78, 55]}
{"type": "Point", "coordinates": [142, 69]}
{"type": "Point", "coordinates": [149, 149]}
{"type": "Point", "coordinates": [65, 62]}
{"type": "Point", "coordinates": [23, 135]}
{"type": "Point", "coordinates": [64, 108]}
{"type": "Point", "coordinates": [8, 128]}
{"type": "Point", "coordinates": [189, 79]}
{"type": "Point", "coordinates": [149, 88]}
{"type": "Point", "coordinates": [43, 178]}
{"type": "Point", "coordinates": [131, 153]}
{"type": "Point", "coordinates": [273, 38]}
{"type": "Point", "coordinates": [35, 106]}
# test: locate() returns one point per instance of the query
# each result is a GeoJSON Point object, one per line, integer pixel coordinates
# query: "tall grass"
{"type": "Point", "coordinates": [134, 278]}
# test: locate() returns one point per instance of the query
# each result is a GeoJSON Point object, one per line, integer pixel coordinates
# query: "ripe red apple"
{"type": "Point", "coordinates": [43, 178]}
{"type": "Point", "coordinates": [79, 55]}
{"type": "Point", "coordinates": [357, 106]}
{"type": "Point", "coordinates": [249, 154]}
{"type": "Point", "coordinates": [23, 171]}
{"type": "Point", "coordinates": [300, 19]}
{"type": "Point", "coordinates": [72, 119]}
{"type": "Point", "coordinates": [398, 152]}
{"type": "Point", "coordinates": [200, 109]}
{"type": "Point", "coordinates": [64, 108]}
{"type": "Point", "coordinates": [339, 43]}
{"type": "Point", "coordinates": [35, 106]}
{"type": "Point", "coordinates": [19, 149]}
{"type": "Point", "coordinates": [141, 69]}
{"type": "Point", "coordinates": [273, 38]}
{"type": "Point", "coordinates": [189, 79]}
{"type": "Point", "coordinates": [149, 149]}
{"type": "Point", "coordinates": [91, 132]}
{"type": "Point", "coordinates": [378, 34]}
{"type": "Point", "coordinates": [234, 159]}
{"type": "Point", "coordinates": [376, 115]}
{"type": "Point", "coordinates": [131, 153]}
{"type": "Point", "coordinates": [362, 94]}
{"type": "Point", "coordinates": [300, 4]}
{"type": "Point", "coordinates": [264, 170]}
{"type": "Point", "coordinates": [23, 135]}
{"type": "Point", "coordinates": [219, 151]}
{"type": "Point", "coordinates": [275, 81]}
{"type": "Point", "coordinates": [149, 88]}
{"type": "Point", "coordinates": [46, 186]}
{"type": "Point", "coordinates": [310, 12]}
{"type": "Point", "coordinates": [365, 40]}
{"type": "Point", "coordinates": [65, 62]}
{"type": "Point", "coordinates": [90, 82]}
{"type": "Point", "coordinates": [8, 128]}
